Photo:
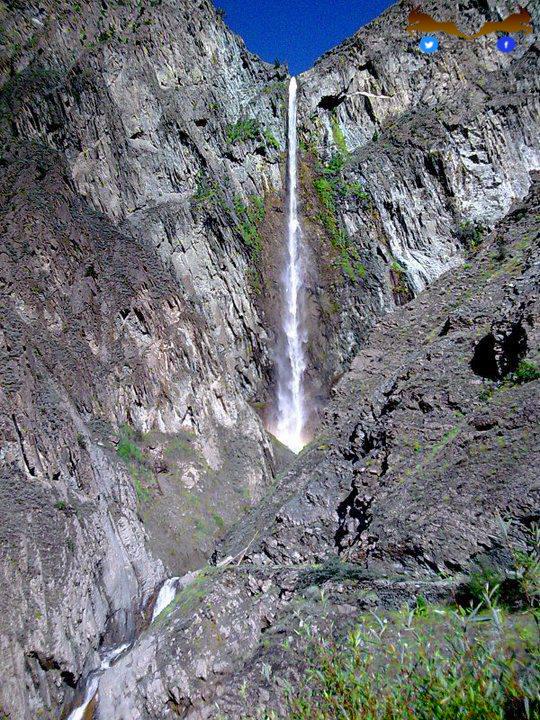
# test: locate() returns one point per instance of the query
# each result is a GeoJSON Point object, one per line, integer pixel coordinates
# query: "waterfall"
{"type": "Point", "coordinates": [165, 597]}
{"type": "Point", "coordinates": [92, 682]}
{"type": "Point", "coordinates": [291, 400]}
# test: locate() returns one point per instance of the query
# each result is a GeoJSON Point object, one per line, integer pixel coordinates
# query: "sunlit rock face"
{"type": "Point", "coordinates": [130, 337]}
{"type": "Point", "coordinates": [437, 143]}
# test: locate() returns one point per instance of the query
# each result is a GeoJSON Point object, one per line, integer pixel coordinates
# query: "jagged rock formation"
{"type": "Point", "coordinates": [128, 319]}
{"type": "Point", "coordinates": [141, 214]}
{"type": "Point", "coordinates": [425, 146]}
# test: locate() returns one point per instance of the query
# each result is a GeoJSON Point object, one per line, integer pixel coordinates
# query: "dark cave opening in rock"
{"type": "Point", "coordinates": [484, 361]}
{"type": "Point", "coordinates": [495, 358]}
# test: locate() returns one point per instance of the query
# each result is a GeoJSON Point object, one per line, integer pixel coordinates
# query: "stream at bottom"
{"type": "Point", "coordinates": [110, 656]}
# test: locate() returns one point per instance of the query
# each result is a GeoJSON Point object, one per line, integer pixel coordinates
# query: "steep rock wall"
{"type": "Point", "coordinates": [131, 338]}
{"type": "Point", "coordinates": [405, 156]}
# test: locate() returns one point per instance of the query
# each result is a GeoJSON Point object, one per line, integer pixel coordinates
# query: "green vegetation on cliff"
{"type": "Point", "coordinates": [243, 130]}
{"type": "Point", "coordinates": [330, 186]}
{"type": "Point", "coordinates": [476, 660]}
{"type": "Point", "coordinates": [426, 664]}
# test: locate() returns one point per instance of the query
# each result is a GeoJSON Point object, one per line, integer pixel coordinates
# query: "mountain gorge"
{"type": "Point", "coordinates": [143, 185]}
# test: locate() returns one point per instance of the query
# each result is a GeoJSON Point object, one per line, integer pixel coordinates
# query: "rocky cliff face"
{"type": "Point", "coordinates": [430, 439]}
{"type": "Point", "coordinates": [404, 156]}
{"type": "Point", "coordinates": [136, 142]}
{"type": "Point", "coordinates": [141, 214]}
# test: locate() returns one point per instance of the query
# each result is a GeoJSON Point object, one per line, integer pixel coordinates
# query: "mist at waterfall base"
{"type": "Point", "coordinates": [291, 358]}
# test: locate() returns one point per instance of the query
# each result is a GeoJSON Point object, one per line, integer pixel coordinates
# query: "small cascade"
{"type": "Point", "coordinates": [165, 596]}
{"type": "Point", "coordinates": [92, 683]}
{"type": "Point", "coordinates": [291, 366]}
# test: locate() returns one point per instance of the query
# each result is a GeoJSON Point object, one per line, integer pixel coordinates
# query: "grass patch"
{"type": "Point", "coordinates": [128, 450]}
{"type": "Point", "coordinates": [526, 372]}
{"type": "Point", "coordinates": [338, 136]}
{"type": "Point", "coordinates": [190, 596]}
{"type": "Point", "coordinates": [250, 217]}
{"type": "Point", "coordinates": [179, 446]}
{"type": "Point", "coordinates": [218, 520]}
{"type": "Point", "coordinates": [131, 454]}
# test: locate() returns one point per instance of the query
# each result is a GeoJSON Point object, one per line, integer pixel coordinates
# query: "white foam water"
{"type": "Point", "coordinates": [92, 684]}
{"type": "Point", "coordinates": [291, 367]}
{"type": "Point", "coordinates": [165, 596]}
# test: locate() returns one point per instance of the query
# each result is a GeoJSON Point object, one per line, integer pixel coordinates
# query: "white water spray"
{"type": "Point", "coordinates": [291, 400]}
{"type": "Point", "coordinates": [165, 596]}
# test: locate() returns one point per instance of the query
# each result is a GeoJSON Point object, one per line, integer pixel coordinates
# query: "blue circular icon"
{"type": "Point", "coordinates": [429, 44]}
{"type": "Point", "coordinates": [506, 43]}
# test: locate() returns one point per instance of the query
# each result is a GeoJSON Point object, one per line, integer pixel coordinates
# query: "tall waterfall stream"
{"type": "Point", "coordinates": [291, 367]}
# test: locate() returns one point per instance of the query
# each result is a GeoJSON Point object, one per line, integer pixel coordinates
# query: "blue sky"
{"type": "Point", "coordinates": [297, 31]}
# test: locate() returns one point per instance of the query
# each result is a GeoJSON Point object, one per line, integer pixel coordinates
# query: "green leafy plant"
{"type": "Point", "coordinates": [525, 372]}
{"type": "Point", "coordinates": [243, 130]}
{"type": "Point", "coordinates": [471, 234]}
{"type": "Point", "coordinates": [399, 277]}
{"type": "Point", "coordinates": [515, 587]}
{"type": "Point", "coordinates": [207, 193]}
{"type": "Point", "coordinates": [271, 140]}
{"type": "Point", "coordinates": [402, 670]}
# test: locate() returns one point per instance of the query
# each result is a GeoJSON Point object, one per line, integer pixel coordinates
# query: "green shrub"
{"type": "Point", "coordinates": [400, 278]}
{"type": "Point", "coordinates": [207, 192]}
{"type": "Point", "coordinates": [243, 130]}
{"type": "Point", "coordinates": [271, 140]}
{"type": "Point", "coordinates": [526, 372]}
{"type": "Point", "coordinates": [454, 668]}
{"type": "Point", "coordinates": [471, 234]}
{"type": "Point", "coordinates": [515, 587]}
{"type": "Point", "coordinates": [334, 569]}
